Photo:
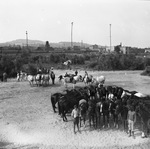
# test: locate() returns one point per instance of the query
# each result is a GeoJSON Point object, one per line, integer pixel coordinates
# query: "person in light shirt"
{"type": "Point", "coordinates": [75, 115]}
{"type": "Point", "coordinates": [131, 121]}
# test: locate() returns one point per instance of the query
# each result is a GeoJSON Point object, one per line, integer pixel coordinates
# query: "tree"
{"type": "Point", "coordinates": [117, 49]}
{"type": "Point", "coordinates": [47, 46]}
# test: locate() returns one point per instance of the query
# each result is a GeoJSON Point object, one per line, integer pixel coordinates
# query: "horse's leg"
{"type": "Point", "coordinates": [73, 86]}
{"type": "Point", "coordinates": [53, 81]}
{"type": "Point", "coordinates": [65, 117]}
{"type": "Point", "coordinates": [80, 119]}
{"type": "Point", "coordinates": [31, 83]}
{"type": "Point", "coordinates": [36, 82]}
{"type": "Point", "coordinates": [96, 120]}
{"type": "Point", "coordinates": [103, 120]}
{"type": "Point", "coordinates": [59, 109]}
{"type": "Point", "coordinates": [53, 106]}
{"type": "Point", "coordinates": [117, 125]}
{"type": "Point", "coordinates": [90, 120]}
{"type": "Point", "coordinates": [99, 119]}
{"type": "Point", "coordinates": [114, 119]}
{"type": "Point", "coordinates": [108, 120]}
{"type": "Point", "coordinates": [65, 84]}
{"type": "Point", "coordinates": [84, 117]}
{"type": "Point", "coordinates": [144, 130]}
{"type": "Point", "coordinates": [124, 124]}
{"type": "Point", "coordinates": [93, 120]}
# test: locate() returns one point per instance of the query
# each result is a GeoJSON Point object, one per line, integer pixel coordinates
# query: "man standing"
{"type": "Point", "coordinates": [75, 115]}
{"type": "Point", "coordinates": [76, 72]}
{"type": "Point", "coordinates": [4, 77]}
{"type": "Point", "coordinates": [53, 77]}
{"type": "Point", "coordinates": [131, 121]}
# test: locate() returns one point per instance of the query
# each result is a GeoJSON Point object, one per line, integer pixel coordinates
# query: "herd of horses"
{"type": "Point", "coordinates": [74, 78]}
{"type": "Point", "coordinates": [43, 79]}
{"type": "Point", "coordinates": [99, 103]}
{"type": "Point", "coordinates": [40, 79]}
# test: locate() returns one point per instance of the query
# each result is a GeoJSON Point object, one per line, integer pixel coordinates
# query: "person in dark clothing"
{"type": "Point", "coordinates": [105, 111]}
{"type": "Point", "coordinates": [4, 77]}
{"type": "Point", "coordinates": [76, 72]}
{"type": "Point", "coordinates": [53, 77]}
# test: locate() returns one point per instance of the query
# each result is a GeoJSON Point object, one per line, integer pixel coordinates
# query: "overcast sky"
{"type": "Point", "coordinates": [50, 20]}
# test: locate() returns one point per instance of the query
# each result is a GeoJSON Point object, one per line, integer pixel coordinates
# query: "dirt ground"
{"type": "Point", "coordinates": [27, 120]}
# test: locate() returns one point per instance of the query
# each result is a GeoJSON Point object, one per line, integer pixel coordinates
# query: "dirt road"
{"type": "Point", "coordinates": [28, 122]}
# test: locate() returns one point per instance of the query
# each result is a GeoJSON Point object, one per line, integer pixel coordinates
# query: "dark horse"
{"type": "Point", "coordinates": [91, 110]}
{"type": "Point", "coordinates": [63, 107]}
{"type": "Point", "coordinates": [113, 108]}
{"type": "Point", "coordinates": [66, 102]}
{"type": "Point", "coordinates": [144, 113]}
{"type": "Point", "coordinates": [54, 99]}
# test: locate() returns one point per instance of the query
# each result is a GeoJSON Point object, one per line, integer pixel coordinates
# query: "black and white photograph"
{"type": "Point", "coordinates": [75, 74]}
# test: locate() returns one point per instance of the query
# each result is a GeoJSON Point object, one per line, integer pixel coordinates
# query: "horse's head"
{"type": "Point", "coordinates": [83, 106]}
{"type": "Point", "coordinates": [80, 78]}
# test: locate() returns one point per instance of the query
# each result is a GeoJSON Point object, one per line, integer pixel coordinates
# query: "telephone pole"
{"type": "Point", "coordinates": [110, 37]}
{"type": "Point", "coordinates": [71, 35]}
{"type": "Point", "coordinates": [27, 39]}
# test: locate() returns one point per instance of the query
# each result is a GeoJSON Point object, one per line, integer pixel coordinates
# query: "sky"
{"type": "Point", "coordinates": [94, 21]}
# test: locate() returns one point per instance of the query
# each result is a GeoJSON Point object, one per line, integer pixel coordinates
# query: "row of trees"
{"type": "Point", "coordinates": [120, 62]}
{"type": "Point", "coordinates": [113, 61]}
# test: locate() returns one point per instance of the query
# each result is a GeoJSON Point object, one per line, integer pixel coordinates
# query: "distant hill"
{"type": "Point", "coordinates": [37, 43]}
{"type": "Point", "coordinates": [22, 42]}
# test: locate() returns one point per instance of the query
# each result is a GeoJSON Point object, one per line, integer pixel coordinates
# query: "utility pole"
{"type": "Point", "coordinates": [27, 39]}
{"type": "Point", "coordinates": [71, 35]}
{"type": "Point", "coordinates": [110, 37]}
{"type": "Point", "coordinates": [81, 46]}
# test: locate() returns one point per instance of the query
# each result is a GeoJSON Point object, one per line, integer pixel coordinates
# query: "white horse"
{"type": "Point", "coordinates": [77, 78]}
{"type": "Point", "coordinates": [88, 79]}
{"type": "Point", "coordinates": [31, 79]}
{"type": "Point", "coordinates": [38, 79]}
{"type": "Point", "coordinates": [18, 77]}
{"type": "Point", "coordinates": [22, 76]}
{"type": "Point", "coordinates": [45, 79]}
{"type": "Point", "coordinates": [73, 80]}
{"type": "Point", "coordinates": [99, 80]}
{"type": "Point", "coordinates": [67, 63]}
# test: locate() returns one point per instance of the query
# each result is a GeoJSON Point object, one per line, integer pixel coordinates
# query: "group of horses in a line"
{"type": "Point", "coordinates": [43, 79]}
{"type": "Point", "coordinates": [74, 78]}
{"type": "Point", "coordinates": [100, 104]}
{"type": "Point", "coordinates": [40, 79]}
